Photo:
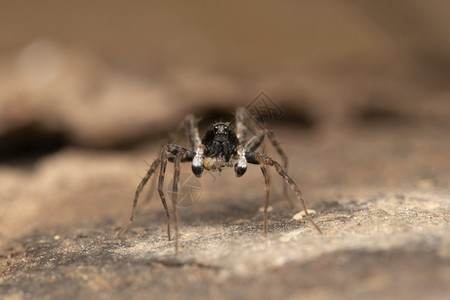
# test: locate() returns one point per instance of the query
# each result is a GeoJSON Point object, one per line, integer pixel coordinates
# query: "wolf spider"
{"type": "Point", "coordinates": [219, 148]}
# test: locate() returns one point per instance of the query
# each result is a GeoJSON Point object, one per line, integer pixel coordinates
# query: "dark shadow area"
{"type": "Point", "coordinates": [300, 117]}
{"type": "Point", "coordinates": [27, 144]}
{"type": "Point", "coordinates": [380, 115]}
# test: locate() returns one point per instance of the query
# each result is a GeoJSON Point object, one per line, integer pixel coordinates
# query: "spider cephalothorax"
{"type": "Point", "coordinates": [220, 142]}
{"type": "Point", "coordinates": [219, 148]}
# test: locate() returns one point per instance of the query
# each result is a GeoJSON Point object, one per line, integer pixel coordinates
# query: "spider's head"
{"type": "Point", "coordinates": [220, 141]}
{"type": "Point", "coordinates": [221, 129]}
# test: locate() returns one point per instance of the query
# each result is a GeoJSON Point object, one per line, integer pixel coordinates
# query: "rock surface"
{"type": "Point", "coordinates": [381, 199]}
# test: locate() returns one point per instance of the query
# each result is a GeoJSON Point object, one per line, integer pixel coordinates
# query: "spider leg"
{"type": "Point", "coordinates": [190, 127]}
{"type": "Point", "coordinates": [151, 188]}
{"type": "Point", "coordinates": [241, 128]}
{"type": "Point", "coordinates": [267, 187]}
{"type": "Point", "coordinates": [171, 152]}
{"type": "Point", "coordinates": [260, 159]}
{"type": "Point", "coordinates": [162, 172]}
{"type": "Point", "coordinates": [244, 119]}
{"type": "Point", "coordinates": [192, 131]}
{"type": "Point", "coordinates": [168, 153]}
{"type": "Point", "coordinates": [139, 189]}
{"type": "Point", "coordinates": [256, 141]}
{"type": "Point", "coordinates": [176, 178]}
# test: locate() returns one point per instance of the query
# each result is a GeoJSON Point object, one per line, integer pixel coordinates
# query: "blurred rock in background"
{"type": "Point", "coordinates": [102, 75]}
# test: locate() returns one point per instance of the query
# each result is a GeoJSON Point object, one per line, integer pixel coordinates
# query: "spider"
{"type": "Point", "coordinates": [219, 148]}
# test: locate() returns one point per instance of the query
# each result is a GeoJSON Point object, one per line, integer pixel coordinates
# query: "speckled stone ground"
{"type": "Point", "coordinates": [381, 198]}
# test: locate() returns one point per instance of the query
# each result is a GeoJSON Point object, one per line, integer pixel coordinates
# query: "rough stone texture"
{"type": "Point", "coordinates": [381, 199]}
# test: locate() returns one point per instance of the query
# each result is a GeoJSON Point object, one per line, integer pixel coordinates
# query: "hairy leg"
{"type": "Point", "coordinates": [267, 187]}
{"type": "Point", "coordinates": [168, 153]}
{"type": "Point", "coordinates": [139, 189]}
{"type": "Point", "coordinates": [260, 159]}
{"type": "Point", "coordinates": [256, 141]}
{"type": "Point", "coordinates": [241, 127]}
{"type": "Point", "coordinates": [243, 120]}
{"type": "Point", "coordinates": [190, 127]}
{"type": "Point", "coordinates": [162, 173]}
{"type": "Point", "coordinates": [176, 178]}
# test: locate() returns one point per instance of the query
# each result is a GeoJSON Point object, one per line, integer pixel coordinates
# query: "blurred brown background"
{"type": "Point", "coordinates": [90, 89]}
{"type": "Point", "coordinates": [101, 74]}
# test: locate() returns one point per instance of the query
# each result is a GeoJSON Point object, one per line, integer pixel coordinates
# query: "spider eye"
{"type": "Point", "coordinates": [216, 127]}
{"type": "Point", "coordinates": [225, 127]}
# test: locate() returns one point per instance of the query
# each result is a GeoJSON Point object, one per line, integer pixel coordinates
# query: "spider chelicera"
{"type": "Point", "coordinates": [219, 148]}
